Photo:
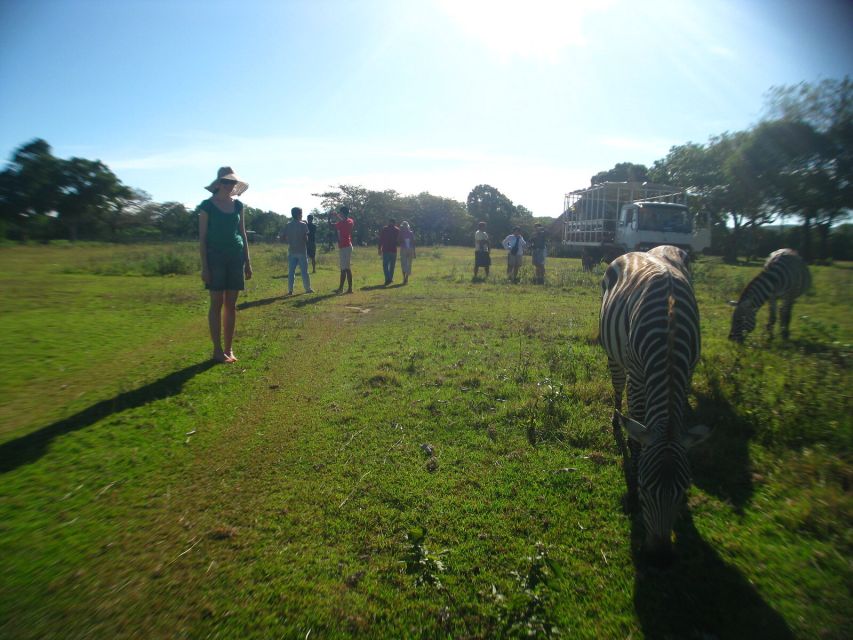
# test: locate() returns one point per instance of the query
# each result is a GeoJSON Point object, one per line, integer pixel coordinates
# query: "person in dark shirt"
{"type": "Point", "coordinates": [312, 243]}
{"type": "Point", "coordinates": [538, 250]}
{"type": "Point", "coordinates": [388, 240]}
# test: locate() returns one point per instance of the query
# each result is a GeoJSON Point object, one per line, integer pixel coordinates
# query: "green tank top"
{"type": "Point", "coordinates": [223, 229]}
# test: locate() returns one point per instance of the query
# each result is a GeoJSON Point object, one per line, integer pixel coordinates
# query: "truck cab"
{"type": "Point", "coordinates": [643, 225]}
{"type": "Point", "coordinates": [610, 218]}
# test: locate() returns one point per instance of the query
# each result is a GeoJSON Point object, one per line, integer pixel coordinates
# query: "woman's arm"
{"type": "Point", "coordinates": [247, 264]}
{"type": "Point", "coordinates": [202, 245]}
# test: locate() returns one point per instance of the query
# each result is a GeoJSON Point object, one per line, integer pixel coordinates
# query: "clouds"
{"type": "Point", "coordinates": [285, 171]}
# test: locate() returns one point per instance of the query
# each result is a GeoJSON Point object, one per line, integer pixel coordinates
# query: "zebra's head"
{"type": "Point", "coordinates": [743, 320]}
{"type": "Point", "coordinates": [663, 476]}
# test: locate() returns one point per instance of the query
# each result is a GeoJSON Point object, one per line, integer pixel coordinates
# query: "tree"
{"type": "Point", "coordinates": [782, 164]}
{"type": "Point", "coordinates": [355, 197]}
{"type": "Point", "coordinates": [267, 224]}
{"type": "Point", "coordinates": [28, 187]}
{"type": "Point", "coordinates": [487, 203]}
{"type": "Point", "coordinates": [719, 181]}
{"type": "Point", "coordinates": [822, 187]}
{"type": "Point", "coordinates": [622, 172]}
{"type": "Point", "coordinates": [175, 221]}
{"type": "Point", "coordinates": [89, 194]}
{"type": "Point", "coordinates": [439, 220]}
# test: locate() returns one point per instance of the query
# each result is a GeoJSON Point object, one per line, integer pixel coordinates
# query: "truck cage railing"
{"type": "Point", "coordinates": [590, 215]}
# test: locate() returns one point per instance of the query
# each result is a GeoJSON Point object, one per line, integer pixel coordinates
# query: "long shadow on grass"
{"type": "Point", "coordinates": [259, 303]}
{"type": "Point", "coordinates": [721, 465]}
{"type": "Point", "coordinates": [699, 595]}
{"type": "Point", "coordinates": [32, 446]}
{"type": "Point", "coordinates": [306, 300]}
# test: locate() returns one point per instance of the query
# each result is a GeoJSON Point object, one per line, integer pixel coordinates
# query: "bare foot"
{"type": "Point", "coordinates": [230, 357]}
{"type": "Point", "coordinates": [219, 356]}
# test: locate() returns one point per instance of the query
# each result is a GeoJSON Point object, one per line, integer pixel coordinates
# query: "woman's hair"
{"type": "Point", "coordinates": [404, 224]}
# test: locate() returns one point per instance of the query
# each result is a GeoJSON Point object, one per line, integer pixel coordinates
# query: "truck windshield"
{"type": "Point", "coordinates": [673, 220]}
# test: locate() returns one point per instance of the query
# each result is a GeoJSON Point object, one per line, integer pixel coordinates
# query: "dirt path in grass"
{"type": "Point", "coordinates": [205, 518]}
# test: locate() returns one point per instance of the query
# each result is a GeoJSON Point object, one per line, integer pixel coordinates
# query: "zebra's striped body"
{"type": "Point", "coordinates": [649, 327]}
{"type": "Point", "coordinates": [784, 276]}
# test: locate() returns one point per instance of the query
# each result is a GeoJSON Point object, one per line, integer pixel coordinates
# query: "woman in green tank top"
{"type": "Point", "coordinates": [225, 261]}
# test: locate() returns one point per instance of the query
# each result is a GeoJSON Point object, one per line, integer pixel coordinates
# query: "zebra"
{"type": "Point", "coordinates": [649, 327]}
{"type": "Point", "coordinates": [784, 276]}
{"type": "Point", "coordinates": [674, 257]}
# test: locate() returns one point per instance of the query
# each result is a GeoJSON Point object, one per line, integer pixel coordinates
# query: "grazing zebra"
{"type": "Point", "coordinates": [674, 257]}
{"type": "Point", "coordinates": [784, 276]}
{"type": "Point", "coordinates": [649, 327]}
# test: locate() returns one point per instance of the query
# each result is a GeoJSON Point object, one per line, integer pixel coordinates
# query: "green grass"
{"type": "Point", "coordinates": [425, 461]}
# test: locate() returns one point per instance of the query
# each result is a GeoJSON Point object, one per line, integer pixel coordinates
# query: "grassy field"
{"type": "Point", "coordinates": [425, 461]}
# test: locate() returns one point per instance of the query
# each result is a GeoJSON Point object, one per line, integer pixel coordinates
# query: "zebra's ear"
{"type": "Point", "coordinates": [635, 430]}
{"type": "Point", "coordinates": [694, 435]}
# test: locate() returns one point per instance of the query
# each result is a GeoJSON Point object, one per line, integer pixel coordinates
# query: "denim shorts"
{"type": "Point", "coordinates": [226, 270]}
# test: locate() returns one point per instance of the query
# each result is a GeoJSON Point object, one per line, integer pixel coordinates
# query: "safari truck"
{"type": "Point", "coordinates": [612, 218]}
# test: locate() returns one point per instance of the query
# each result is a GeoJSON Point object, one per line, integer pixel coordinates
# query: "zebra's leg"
{"type": "Point", "coordinates": [785, 316]}
{"type": "Point", "coordinates": [637, 411]}
{"type": "Point", "coordinates": [617, 377]}
{"type": "Point", "coordinates": [771, 318]}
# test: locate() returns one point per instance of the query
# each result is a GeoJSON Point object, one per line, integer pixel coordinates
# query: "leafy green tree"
{"type": "Point", "coordinates": [89, 195]}
{"type": "Point", "coordinates": [28, 188]}
{"type": "Point", "coordinates": [439, 220]}
{"type": "Point", "coordinates": [175, 221]}
{"type": "Point", "coordinates": [487, 203]}
{"type": "Point", "coordinates": [821, 187]}
{"type": "Point", "coordinates": [622, 172]}
{"type": "Point", "coordinates": [267, 224]}
{"type": "Point", "coordinates": [780, 167]}
{"type": "Point", "coordinates": [355, 197]}
{"type": "Point", "coordinates": [713, 175]}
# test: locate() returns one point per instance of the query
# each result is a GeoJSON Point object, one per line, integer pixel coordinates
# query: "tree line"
{"type": "Point", "coordinates": [796, 162]}
{"type": "Point", "coordinates": [43, 197]}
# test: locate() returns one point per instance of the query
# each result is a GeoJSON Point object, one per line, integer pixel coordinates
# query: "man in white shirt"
{"type": "Point", "coordinates": [481, 250]}
{"type": "Point", "coordinates": [514, 244]}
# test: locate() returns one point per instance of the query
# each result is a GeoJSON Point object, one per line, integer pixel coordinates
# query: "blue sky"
{"type": "Point", "coordinates": [532, 97]}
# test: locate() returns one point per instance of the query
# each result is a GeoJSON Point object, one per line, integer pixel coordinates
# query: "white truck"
{"type": "Point", "coordinates": [612, 218]}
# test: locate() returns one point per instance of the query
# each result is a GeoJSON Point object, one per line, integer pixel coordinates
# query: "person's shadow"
{"type": "Point", "coordinates": [32, 446]}
{"type": "Point", "coordinates": [259, 303]}
{"type": "Point", "coordinates": [699, 595]}
{"type": "Point", "coordinates": [306, 300]}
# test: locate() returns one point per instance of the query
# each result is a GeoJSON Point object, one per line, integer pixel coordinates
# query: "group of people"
{"type": "Point", "coordinates": [515, 244]}
{"type": "Point", "coordinates": [225, 261]}
{"type": "Point", "coordinates": [226, 264]}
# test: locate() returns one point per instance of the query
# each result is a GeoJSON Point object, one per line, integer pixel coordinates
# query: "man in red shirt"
{"type": "Point", "coordinates": [344, 225]}
{"type": "Point", "coordinates": [388, 239]}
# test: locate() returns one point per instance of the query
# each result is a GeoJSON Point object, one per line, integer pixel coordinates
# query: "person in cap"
{"type": "Point", "coordinates": [514, 244]}
{"type": "Point", "coordinates": [481, 250]}
{"type": "Point", "coordinates": [225, 262]}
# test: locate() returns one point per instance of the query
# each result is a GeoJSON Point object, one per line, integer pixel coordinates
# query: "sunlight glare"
{"type": "Point", "coordinates": [531, 29]}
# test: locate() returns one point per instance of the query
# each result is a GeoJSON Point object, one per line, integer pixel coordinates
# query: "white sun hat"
{"type": "Point", "coordinates": [227, 173]}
